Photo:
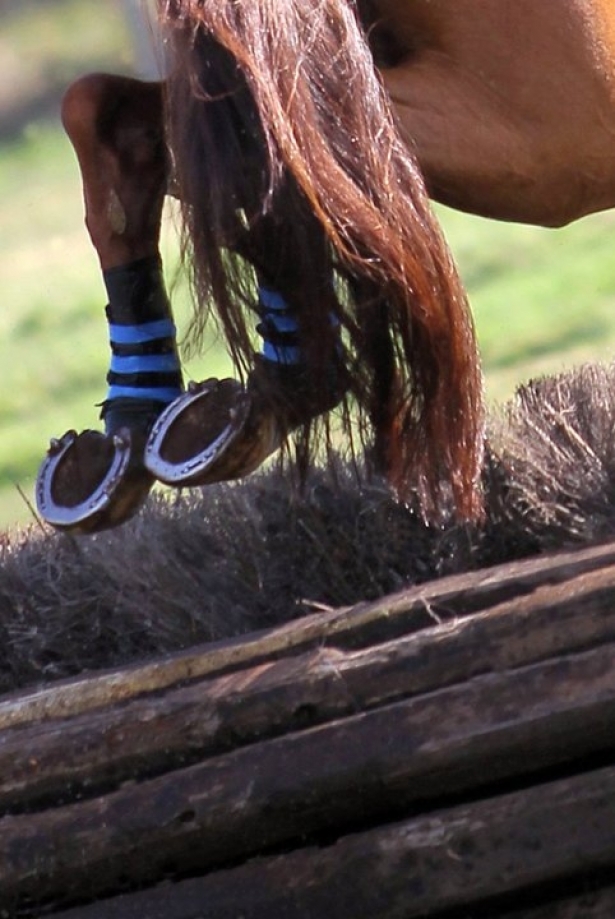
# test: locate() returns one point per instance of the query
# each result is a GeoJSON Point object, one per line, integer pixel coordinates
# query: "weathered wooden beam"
{"type": "Point", "coordinates": [187, 901]}
{"type": "Point", "coordinates": [593, 902]}
{"type": "Point", "coordinates": [328, 780]}
{"type": "Point", "coordinates": [320, 731]}
{"type": "Point", "coordinates": [63, 759]}
{"type": "Point", "coordinates": [367, 623]}
{"type": "Point", "coordinates": [491, 851]}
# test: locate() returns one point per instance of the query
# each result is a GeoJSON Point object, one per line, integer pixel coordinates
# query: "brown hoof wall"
{"type": "Point", "coordinates": [90, 482]}
{"type": "Point", "coordinates": [214, 432]}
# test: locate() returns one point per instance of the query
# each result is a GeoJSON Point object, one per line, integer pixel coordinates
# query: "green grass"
{"type": "Point", "coordinates": [543, 300]}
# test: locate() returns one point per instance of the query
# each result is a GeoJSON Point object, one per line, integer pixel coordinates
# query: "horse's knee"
{"type": "Point", "coordinates": [93, 102]}
{"type": "Point", "coordinates": [116, 127]}
{"type": "Point", "coordinates": [82, 101]}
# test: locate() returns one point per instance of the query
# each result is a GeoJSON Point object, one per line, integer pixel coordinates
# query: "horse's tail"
{"type": "Point", "coordinates": [298, 75]}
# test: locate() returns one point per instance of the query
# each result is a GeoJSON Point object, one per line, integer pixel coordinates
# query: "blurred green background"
{"type": "Point", "coordinates": [543, 300]}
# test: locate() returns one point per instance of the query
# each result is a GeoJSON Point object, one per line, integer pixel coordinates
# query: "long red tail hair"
{"type": "Point", "coordinates": [280, 130]}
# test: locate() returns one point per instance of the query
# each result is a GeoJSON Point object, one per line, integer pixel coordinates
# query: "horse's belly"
{"type": "Point", "coordinates": [511, 112]}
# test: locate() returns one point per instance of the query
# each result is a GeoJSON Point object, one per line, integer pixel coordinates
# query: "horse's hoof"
{"type": "Point", "coordinates": [90, 481]}
{"type": "Point", "coordinates": [216, 431]}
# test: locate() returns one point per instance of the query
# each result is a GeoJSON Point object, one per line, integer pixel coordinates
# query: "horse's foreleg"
{"type": "Point", "coordinates": [116, 127]}
{"type": "Point", "coordinates": [220, 430]}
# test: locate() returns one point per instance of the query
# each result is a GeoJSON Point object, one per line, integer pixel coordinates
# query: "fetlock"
{"type": "Point", "coordinates": [295, 396]}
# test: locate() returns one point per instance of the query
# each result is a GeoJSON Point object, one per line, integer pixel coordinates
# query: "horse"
{"type": "Point", "coordinates": [509, 107]}
{"type": "Point", "coordinates": [304, 139]}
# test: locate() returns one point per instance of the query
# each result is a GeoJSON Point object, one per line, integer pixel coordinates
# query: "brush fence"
{"type": "Point", "coordinates": [447, 751]}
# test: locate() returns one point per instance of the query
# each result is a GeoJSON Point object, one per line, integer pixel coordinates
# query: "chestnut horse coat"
{"type": "Point", "coordinates": [509, 104]}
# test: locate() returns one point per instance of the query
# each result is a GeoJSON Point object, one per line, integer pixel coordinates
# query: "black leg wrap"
{"type": "Point", "coordinates": [145, 373]}
{"type": "Point", "coordinates": [137, 292]}
{"type": "Point", "coordinates": [91, 481]}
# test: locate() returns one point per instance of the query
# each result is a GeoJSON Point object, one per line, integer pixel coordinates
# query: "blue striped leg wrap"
{"type": "Point", "coordinates": [145, 372]}
{"type": "Point", "coordinates": [279, 328]}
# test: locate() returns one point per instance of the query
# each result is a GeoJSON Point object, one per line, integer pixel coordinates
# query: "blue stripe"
{"type": "Point", "coordinates": [282, 323]}
{"type": "Point", "coordinates": [145, 363]}
{"type": "Point", "coordinates": [145, 331]}
{"type": "Point", "coordinates": [155, 393]}
{"type": "Point", "coordinates": [271, 299]}
{"type": "Point", "coordinates": [281, 355]}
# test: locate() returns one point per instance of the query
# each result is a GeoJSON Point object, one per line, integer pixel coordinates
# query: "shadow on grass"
{"type": "Point", "coordinates": [559, 341]}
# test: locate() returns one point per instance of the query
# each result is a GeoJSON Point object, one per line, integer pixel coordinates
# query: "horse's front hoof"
{"type": "Point", "coordinates": [90, 481]}
{"type": "Point", "coordinates": [214, 432]}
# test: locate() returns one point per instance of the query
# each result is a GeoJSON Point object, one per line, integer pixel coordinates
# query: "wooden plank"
{"type": "Point", "coordinates": [467, 856]}
{"type": "Point", "coordinates": [70, 758]}
{"type": "Point", "coordinates": [407, 611]}
{"type": "Point", "coordinates": [590, 904]}
{"type": "Point", "coordinates": [186, 901]}
{"type": "Point", "coordinates": [330, 779]}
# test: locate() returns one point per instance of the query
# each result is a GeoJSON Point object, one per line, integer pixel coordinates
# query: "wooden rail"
{"type": "Point", "coordinates": [444, 752]}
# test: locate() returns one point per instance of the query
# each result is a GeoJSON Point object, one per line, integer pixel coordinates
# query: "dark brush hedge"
{"type": "Point", "coordinates": [233, 558]}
